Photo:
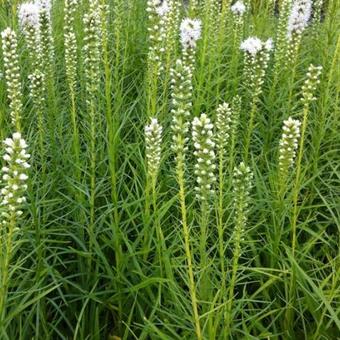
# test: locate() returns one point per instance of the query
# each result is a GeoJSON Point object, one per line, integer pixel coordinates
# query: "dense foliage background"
{"type": "Point", "coordinates": [71, 281]}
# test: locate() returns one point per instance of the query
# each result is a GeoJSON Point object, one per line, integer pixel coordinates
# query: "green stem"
{"type": "Point", "coordinates": [5, 270]}
{"type": "Point", "coordinates": [296, 190]}
{"type": "Point", "coordinates": [236, 256]}
{"type": "Point", "coordinates": [192, 288]}
{"type": "Point", "coordinates": [220, 218]}
{"type": "Point", "coordinates": [147, 219]}
{"type": "Point", "coordinates": [250, 128]}
{"type": "Point", "coordinates": [92, 174]}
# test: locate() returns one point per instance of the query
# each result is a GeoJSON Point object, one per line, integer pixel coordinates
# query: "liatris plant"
{"type": "Point", "coordinates": [181, 93]}
{"type": "Point", "coordinates": [157, 12]}
{"type": "Point", "coordinates": [210, 12]}
{"type": "Point", "coordinates": [287, 149]}
{"type": "Point", "coordinates": [46, 64]}
{"type": "Point", "coordinates": [37, 94]}
{"type": "Point", "coordinates": [92, 48]}
{"type": "Point", "coordinates": [257, 54]}
{"type": "Point", "coordinates": [308, 96]}
{"type": "Point", "coordinates": [92, 44]}
{"type": "Point", "coordinates": [317, 9]}
{"type": "Point", "coordinates": [297, 22]}
{"type": "Point", "coordinates": [213, 19]}
{"type": "Point", "coordinates": [12, 198]}
{"type": "Point", "coordinates": [12, 75]}
{"type": "Point", "coordinates": [223, 18]}
{"type": "Point", "coordinates": [202, 135]}
{"type": "Point", "coordinates": [238, 10]}
{"type": "Point", "coordinates": [92, 41]}
{"type": "Point", "coordinates": [242, 182]}
{"type": "Point", "coordinates": [15, 176]}
{"type": "Point", "coordinates": [236, 106]}
{"type": "Point", "coordinates": [28, 14]}
{"type": "Point", "coordinates": [153, 140]}
{"type": "Point", "coordinates": [171, 29]}
{"type": "Point", "coordinates": [281, 41]}
{"type": "Point", "coordinates": [256, 58]}
{"type": "Point", "coordinates": [190, 33]}
{"type": "Point", "coordinates": [194, 7]}
{"type": "Point", "coordinates": [70, 45]}
{"type": "Point", "coordinates": [310, 85]}
{"type": "Point", "coordinates": [46, 39]}
{"type": "Point", "coordinates": [223, 126]}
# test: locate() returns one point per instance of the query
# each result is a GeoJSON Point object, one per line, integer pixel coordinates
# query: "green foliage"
{"type": "Point", "coordinates": [98, 255]}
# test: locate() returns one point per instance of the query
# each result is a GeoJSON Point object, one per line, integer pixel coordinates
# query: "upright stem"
{"type": "Point", "coordinates": [250, 128]}
{"type": "Point", "coordinates": [296, 191]}
{"type": "Point", "coordinates": [204, 218]}
{"type": "Point", "coordinates": [157, 225]}
{"type": "Point", "coordinates": [112, 130]}
{"type": "Point", "coordinates": [147, 219]}
{"type": "Point", "coordinates": [5, 270]}
{"type": "Point", "coordinates": [237, 253]}
{"type": "Point", "coordinates": [92, 173]}
{"type": "Point", "coordinates": [192, 288]}
{"type": "Point", "coordinates": [220, 218]}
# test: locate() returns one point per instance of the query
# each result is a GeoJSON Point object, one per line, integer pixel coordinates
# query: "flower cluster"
{"type": "Point", "coordinates": [297, 22]}
{"type": "Point", "coordinates": [45, 35]}
{"type": "Point", "coordinates": [45, 5]}
{"type": "Point", "coordinates": [288, 145]}
{"type": "Point", "coordinates": [194, 6]}
{"type": "Point", "coordinates": [161, 7]}
{"type": "Point", "coordinates": [309, 87]}
{"type": "Point", "coordinates": [153, 140]}
{"type": "Point", "coordinates": [12, 74]}
{"type": "Point", "coordinates": [38, 96]}
{"type": "Point", "coordinates": [70, 41]}
{"type": "Point", "coordinates": [212, 13]}
{"type": "Point", "coordinates": [254, 45]}
{"type": "Point", "coordinates": [157, 15]}
{"type": "Point", "coordinates": [181, 100]}
{"type": "Point", "coordinates": [257, 54]}
{"type": "Point", "coordinates": [281, 36]}
{"type": "Point", "coordinates": [238, 8]}
{"type": "Point", "coordinates": [171, 28]}
{"type": "Point", "coordinates": [190, 32]}
{"type": "Point", "coordinates": [92, 42]}
{"type": "Point", "coordinates": [317, 10]}
{"type": "Point", "coordinates": [299, 16]}
{"type": "Point", "coordinates": [223, 126]}
{"type": "Point", "coordinates": [28, 14]}
{"type": "Point", "coordinates": [202, 135]}
{"type": "Point", "coordinates": [14, 177]}
{"type": "Point", "coordinates": [37, 88]}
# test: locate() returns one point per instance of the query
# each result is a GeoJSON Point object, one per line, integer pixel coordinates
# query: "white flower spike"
{"type": "Point", "coordinates": [190, 32]}
{"type": "Point", "coordinates": [238, 8]}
